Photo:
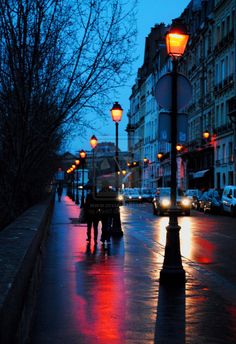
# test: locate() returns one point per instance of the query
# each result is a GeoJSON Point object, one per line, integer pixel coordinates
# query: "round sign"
{"type": "Point", "coordinates": [164, 95]}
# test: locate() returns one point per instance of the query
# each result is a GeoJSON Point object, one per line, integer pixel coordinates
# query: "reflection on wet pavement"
{"type": "Point", "coordinates": [111, 294]}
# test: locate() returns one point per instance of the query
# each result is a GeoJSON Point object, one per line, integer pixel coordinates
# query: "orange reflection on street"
{"type": "Point", "coordinates": [203, 251]}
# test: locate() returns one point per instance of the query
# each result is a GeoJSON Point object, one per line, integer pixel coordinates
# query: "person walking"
{"type": "Point", "coordinates": [59, 192]}
{"type": "Point", "coordinates": [91, 215]}
{"type": "Point", "coordinates": [106, 205]}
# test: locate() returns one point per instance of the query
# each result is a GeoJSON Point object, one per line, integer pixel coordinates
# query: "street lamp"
{"type": "Point", "coordinates": [93, 144]}
{"type": "Point", "coordinates": [73, 181]}
{"type": "Point", "coordinates": [82, 155]}
{"type": "Point", "coordinates": [116, 114]}
{"type": "Point", "coordinates": [172, 270]}
{"type": "Point", "coordinates": [77, 162]}
{"type": "Point", "coordinates": [206, 135]}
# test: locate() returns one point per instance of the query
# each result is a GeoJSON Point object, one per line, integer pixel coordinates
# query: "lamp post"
{"type": "Point", "coordinates": [172, 270]}
{"type": "Point", "coordinates": [77, 162]}
{"type": "Point", "coordinates": [82, 155]}
{"type": "Point", "coordinates": [145, 164]}
{"type": "Point", "coordinates": [116, 114]}
{"type": "Point", "coordinates": [93, 144]}
{"type": "Point", "coordinates": [232, 117]}
{"type": "Point", "coordinates": [73, 182]}
{"type": "Point", "coordinates": [159, 157]}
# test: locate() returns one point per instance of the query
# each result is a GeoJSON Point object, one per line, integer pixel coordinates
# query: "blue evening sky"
{"type": "Point", "coordinates": [150, 12]}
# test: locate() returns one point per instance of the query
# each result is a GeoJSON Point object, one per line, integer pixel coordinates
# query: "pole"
{"type": "Point", "coordinates": [82, 196]}
{"type": "Point", "coordinates": [73, 191]}
{"type": "Point", "coordinates": [94, 188]}
{"type": "Point", "coordinates": [116, 228]}
{"type": "Point", "coordinates": [117, 159]}
{"type": "Point", "coordinates": [172, 271]}
{"type": "Point", "coordinates": [77, 192]}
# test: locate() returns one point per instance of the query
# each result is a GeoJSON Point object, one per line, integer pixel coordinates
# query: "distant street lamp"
{"type": "Point", "coordinates": [172, 271]}
{"type": "Point", "coordinates": [206, 135]}
{"type": "Point", "coordinates": [93, 144]}
{"type": "Point", "coordinates": [73, 182]}
{"type": "Point", "coordinates": [116, 114]}
{"type": "Point", "coordinates": [77, 162]}
{"type": "Point", "coordinates": [82, 155]}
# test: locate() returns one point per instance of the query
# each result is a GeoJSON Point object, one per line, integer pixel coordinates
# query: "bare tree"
{"type": "Point", "coordinates": [58, 58]}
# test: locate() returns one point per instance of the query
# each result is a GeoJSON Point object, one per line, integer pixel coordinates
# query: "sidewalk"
{"type": "Point", "coordinates": [97, 295]}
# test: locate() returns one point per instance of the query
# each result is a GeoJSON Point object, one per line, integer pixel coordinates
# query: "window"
{"type": "Point", "coordinates": [222, 29]}
{"type": "Point", "coordinates": [222, 70]}
{"type": "Point", "coordinates": [228, 24]}
{"type": "Point", "coordinates": [222, 114]}
{"type": "Point", "coordinates": [218, 34]}
{"type": "Point", "coordinates": [217, 116]}
{"type": "Point", "coordinates": [217, 74]}
{"type": "Point", "coordinates": [218, 153]}
{"type": "Point", "coordinates": [231, 67]}
{"type": "Point", "coordinates": [224, 153]}
{"type": "Point", "coordinates": [226, 66]}
{"type": "Point", "coordinates": [230, 152]}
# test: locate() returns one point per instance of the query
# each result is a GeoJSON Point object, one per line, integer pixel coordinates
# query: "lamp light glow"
{"type": "Point", "coordinates": [176, 39]}
{"type": "Point", "coordinates": [116, 112]}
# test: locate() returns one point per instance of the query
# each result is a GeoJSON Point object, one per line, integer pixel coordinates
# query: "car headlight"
{"type": "Point", "coordinates": [130, 197]}
{"type": "Point", "coordinates": [185, 202]}
{"type": "Point", "coordinates": [120, 198]}
{"type": "Point", "coordinates": [165, 202]}
{"type": "Point", "coordinates": [140, 197]}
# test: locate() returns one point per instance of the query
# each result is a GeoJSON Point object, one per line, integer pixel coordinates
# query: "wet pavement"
{"type": "Point", "coordinates": [98, 295]}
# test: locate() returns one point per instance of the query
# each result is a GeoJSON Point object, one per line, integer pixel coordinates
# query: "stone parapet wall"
{"type": "Point", "coordinates": [21, 245]}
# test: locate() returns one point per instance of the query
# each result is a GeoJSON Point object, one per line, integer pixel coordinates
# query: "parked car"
{"type": "Point", "coordinates": [212, 202]}
{"type": "Point", "coordinates": [132, 195]}
{"type": "Point", "coordinates": [146, 195]}
{"type": "Point", "coordinates": [229, 199]}
{"type": "Point", "coordinates": [162, 202]}
{"type": "Point", "coordinates": [193, 195]}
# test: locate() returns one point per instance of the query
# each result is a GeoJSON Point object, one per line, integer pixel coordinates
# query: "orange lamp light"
{"type": "Point", "coordinates": [77, 162]}
{"type": "Point", "coordinates": [206, 134]}
{"type": "Point", "coordinates": [179, 147]}
{"type": "Point", "coordinates": [176, 39]}
{"type": "Point", "coordinates": [93, 142]}
{"type": "Point", "coordinates": [159, 155]}
{"type": "Point", "coordinates": [82, 154]}
{"type": "Point", "coordinates": [116, 112]}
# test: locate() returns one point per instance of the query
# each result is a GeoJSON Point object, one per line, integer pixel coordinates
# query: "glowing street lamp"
{"type": "Point", "coordinates": [93, 144]}
{"type": "Point", "coordinates": [172, 271]}
{"type": "Point", "coordinates": [82, 155]}
{"type": "Point", "coordinates": [116, 114]}
{"type": "Point", "coordinates": [179, 147]}
{"type": "Point", "coordinates": [77, 162]}
{"type": "Point", "coordinates": [206, 135]}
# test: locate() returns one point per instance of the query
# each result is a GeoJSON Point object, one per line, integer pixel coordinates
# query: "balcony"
{"type": "Point", "coordinates": [225, 128]}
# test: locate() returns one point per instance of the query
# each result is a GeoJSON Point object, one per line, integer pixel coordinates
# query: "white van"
{"type": "Point", "coordinates": [229, 199]}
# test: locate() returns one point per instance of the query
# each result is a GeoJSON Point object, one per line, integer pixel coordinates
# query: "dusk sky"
{"type": "Point", "coordinates": [150, 12]}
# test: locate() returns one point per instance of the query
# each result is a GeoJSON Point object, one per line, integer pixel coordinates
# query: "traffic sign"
{"type": "Point", "coordinates": [164, 95]}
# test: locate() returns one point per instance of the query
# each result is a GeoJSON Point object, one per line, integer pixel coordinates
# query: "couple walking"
{"type": "Point", "coordinates": [100, 206]}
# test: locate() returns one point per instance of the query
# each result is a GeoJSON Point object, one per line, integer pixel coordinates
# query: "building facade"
{"type": "Point", "coordinates": [209, 64]}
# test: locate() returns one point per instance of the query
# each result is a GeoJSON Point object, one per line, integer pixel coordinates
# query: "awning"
{"type": "Point", "coordinates": [199, 174]}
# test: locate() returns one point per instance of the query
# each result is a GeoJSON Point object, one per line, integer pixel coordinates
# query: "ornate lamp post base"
{"type": "Point", "coordinates": [172, 271]}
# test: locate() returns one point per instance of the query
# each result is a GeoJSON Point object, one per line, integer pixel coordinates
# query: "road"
{"type": "Point", "coordinates": [208, 242]}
